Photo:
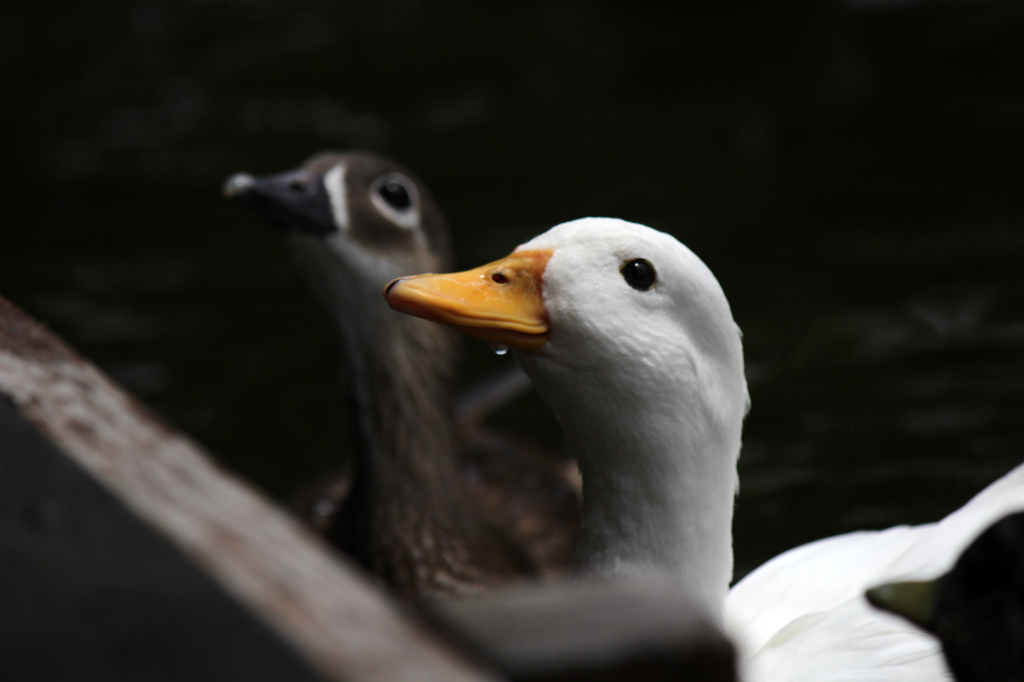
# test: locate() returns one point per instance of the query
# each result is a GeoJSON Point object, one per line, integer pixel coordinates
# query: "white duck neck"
{"type": "Point", "coordinates": [658, 460]}
{"type": "Point", "coordinates": [671, 514]}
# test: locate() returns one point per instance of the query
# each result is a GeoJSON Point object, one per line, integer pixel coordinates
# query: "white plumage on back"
{"type": "Point", "coordinates": [808, 603]}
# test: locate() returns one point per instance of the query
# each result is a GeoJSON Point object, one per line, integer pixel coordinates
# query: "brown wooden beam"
{"type": "Point", "coordinates": [125, 535]}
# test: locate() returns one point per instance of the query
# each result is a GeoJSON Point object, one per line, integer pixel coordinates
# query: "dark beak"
{"type": "Point", "coordinates": [295, 201]}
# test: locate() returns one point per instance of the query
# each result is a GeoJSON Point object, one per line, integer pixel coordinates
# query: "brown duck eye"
{"type": "Point", "coordinates": [639, 274]}
{"type": "Point", "coordinates": [395, 193]}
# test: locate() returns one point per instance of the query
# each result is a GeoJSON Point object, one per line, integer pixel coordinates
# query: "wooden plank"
{"type": "Point", "coordinates": [593, 630]}
{"type": "Point", "coordinates": [90, 593]}
{"type": "Point", "coordinates": [331, 616]}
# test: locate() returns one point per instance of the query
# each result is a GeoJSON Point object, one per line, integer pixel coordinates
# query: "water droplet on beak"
{"type": "Point", "coordinates": [499, 348]}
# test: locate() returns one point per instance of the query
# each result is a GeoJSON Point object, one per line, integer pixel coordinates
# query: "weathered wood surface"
{"type": "Point", "coordinates": [340, 626]}
{"type": "Point", "coordinates": [592, 630]}
{"type": "Point", "coordinates": [88, 592]}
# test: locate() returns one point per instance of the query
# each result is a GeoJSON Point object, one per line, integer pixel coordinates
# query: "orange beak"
{"type": "Point", "coordinates": [500, 302]}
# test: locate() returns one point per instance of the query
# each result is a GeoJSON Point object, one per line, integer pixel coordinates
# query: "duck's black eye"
{"type": "Point", "coordinates": [639, 274]}
{"type": "Point", "coordinates": [395, 193]}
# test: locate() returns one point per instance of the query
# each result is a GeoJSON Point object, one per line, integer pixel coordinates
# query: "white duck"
{"type": "Point", "coordinates": [630, 339]}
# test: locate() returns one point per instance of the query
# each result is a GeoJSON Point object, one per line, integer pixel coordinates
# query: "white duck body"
{"type": "Point", "coordinates": [804, 612]}
{"type": "Point", "coordinates": [649, 387]}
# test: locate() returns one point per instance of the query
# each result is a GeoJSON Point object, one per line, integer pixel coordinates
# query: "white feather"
{"type": "Point", "coordinates": [337, 193]}
{"type": "Point", "coordinates": [827, 579]}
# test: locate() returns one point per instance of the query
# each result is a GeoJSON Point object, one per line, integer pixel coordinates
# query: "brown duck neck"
{"type": "Point", "coordinates": [410, 518]}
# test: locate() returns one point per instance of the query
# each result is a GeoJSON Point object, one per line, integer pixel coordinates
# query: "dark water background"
{"type": "Point", "coordinates": [852, 173]}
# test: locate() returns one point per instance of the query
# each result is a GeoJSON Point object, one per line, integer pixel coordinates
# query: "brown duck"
{"type": "Point", "coordinates": [411, 514]}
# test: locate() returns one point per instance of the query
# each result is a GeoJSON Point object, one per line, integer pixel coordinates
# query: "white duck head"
{"type": "Point", "coordinates": [629, 338]}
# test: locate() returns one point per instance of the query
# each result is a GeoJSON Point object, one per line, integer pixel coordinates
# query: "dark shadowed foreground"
{"type": "Point", "coordinates": [127, 554]}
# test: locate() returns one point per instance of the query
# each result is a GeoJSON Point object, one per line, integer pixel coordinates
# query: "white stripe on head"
{"type": "Point", "coordinates": [334, 183]}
